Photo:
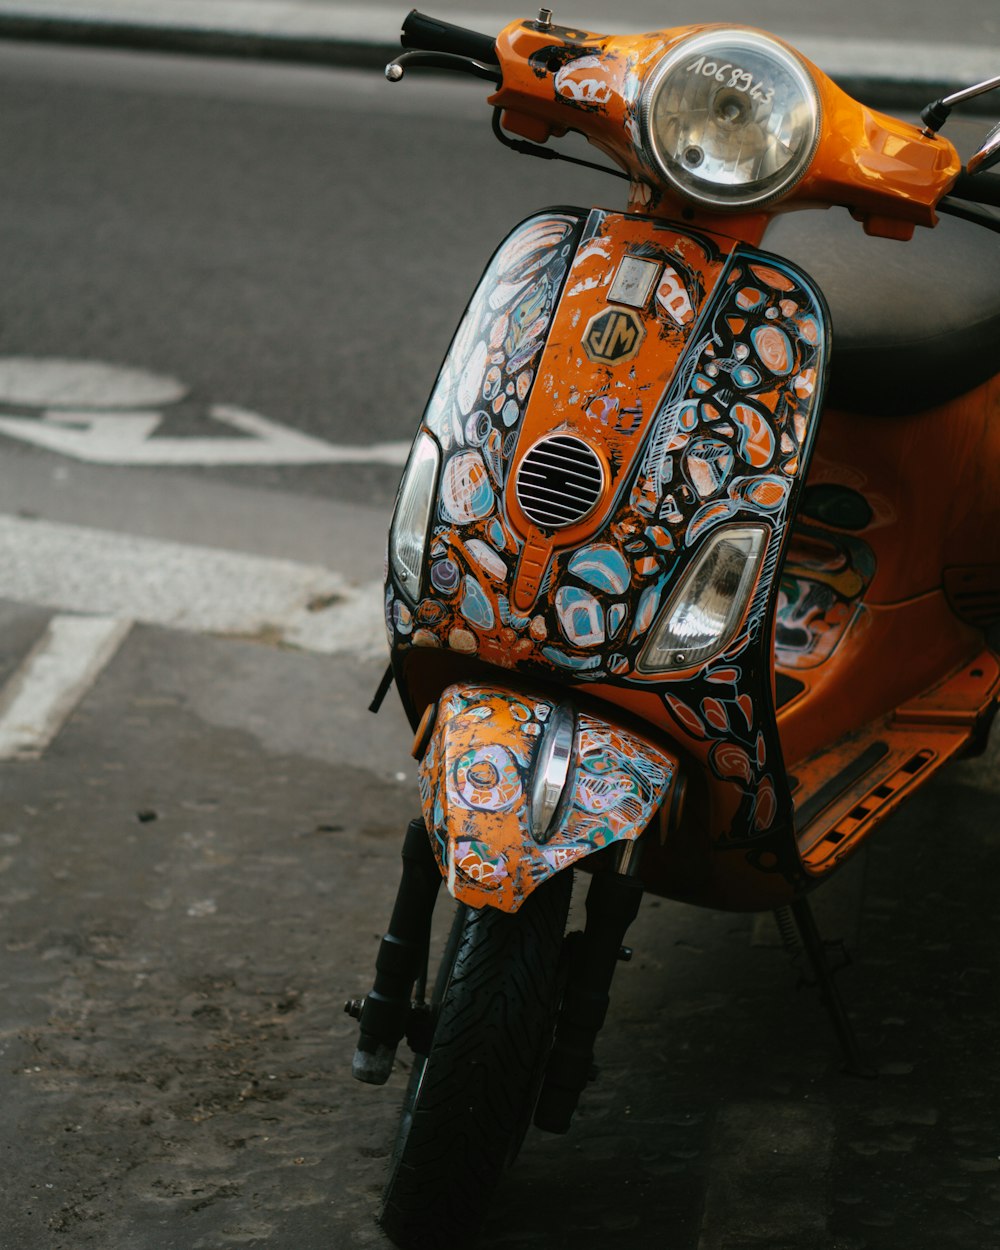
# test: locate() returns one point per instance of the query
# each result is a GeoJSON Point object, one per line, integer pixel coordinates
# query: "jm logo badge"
{"type": "Point", "coordinates": [612, 336]}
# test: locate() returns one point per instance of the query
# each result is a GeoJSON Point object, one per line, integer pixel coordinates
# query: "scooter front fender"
{"type": "Point", "coordinates": [478, 791]}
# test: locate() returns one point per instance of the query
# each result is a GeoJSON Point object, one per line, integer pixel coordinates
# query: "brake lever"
{"type": "Point", "coordinates": [442, 60]}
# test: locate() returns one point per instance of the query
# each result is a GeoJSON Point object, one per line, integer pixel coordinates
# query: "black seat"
{"type": "Point", "coordinates": [914, 324]}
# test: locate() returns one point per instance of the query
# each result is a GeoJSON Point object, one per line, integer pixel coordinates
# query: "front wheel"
{"type": "Point", "coordinates": [470, 1099]}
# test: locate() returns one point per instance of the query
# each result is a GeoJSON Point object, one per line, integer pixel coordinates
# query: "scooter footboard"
{"type": "Point", "coordinates": [515, 787]}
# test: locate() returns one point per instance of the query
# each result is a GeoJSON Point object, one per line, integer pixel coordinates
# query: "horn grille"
{"type": "Point", "coordinates": [559, 481]}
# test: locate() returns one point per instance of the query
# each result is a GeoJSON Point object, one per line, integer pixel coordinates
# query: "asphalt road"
{"type": "Point", "coordinates": [195, 870]}
{"type": "Point", "coordinates": [298, 242]}
{"type": "Point", "coordinates": [971, 21]}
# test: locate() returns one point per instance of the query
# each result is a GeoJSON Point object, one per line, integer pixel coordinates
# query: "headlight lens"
{"type": "Point", "coordinates": [731, 118]}
{"type": "Point", "coordinates": [412, 518]}
{"type": "Point", "coordinates": [704, 611]}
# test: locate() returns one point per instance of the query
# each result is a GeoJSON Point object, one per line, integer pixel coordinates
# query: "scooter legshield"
{"type": "Point", "coordinates": [477, 789]}
{"type": "Point", "coordinates": [621, 395]}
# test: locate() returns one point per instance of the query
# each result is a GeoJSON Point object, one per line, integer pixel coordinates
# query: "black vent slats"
{"type": "Point", "coordinates": [559, 481]}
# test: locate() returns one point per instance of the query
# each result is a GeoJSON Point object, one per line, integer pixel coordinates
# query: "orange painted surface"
{"type": "Point", "coordinates": [915, 739]}
{"type": "Point", "coordinates": [868, 614]}
{"type": "Point", "coordinates": [875, 164]}
{"type": "Point", "coordinates": [723, 443]}
{"type": "Point", "coordinates": [609, 404]}
{"type": "Point", "coordinates": [882, 168]}
{"type": "Point", "coordinates": [932, 482]}
{"type": "Point", "coordinates": [476, 783]}
{"type": "Point", "coordinates": [928, 484]}
{"type": "Point", "coordinates": [582, 597]}
{"type": "Point", "coordinates": [887, 656]}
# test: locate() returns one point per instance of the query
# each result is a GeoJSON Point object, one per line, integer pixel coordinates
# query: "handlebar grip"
{"type": "Point", "coordinates": [430, 34]}
{"type": "Point", "coordinates": [981, 188]}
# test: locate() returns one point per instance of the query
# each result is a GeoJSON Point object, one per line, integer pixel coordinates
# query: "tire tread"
{"type": "Point", "coordinates": [474, 1104]}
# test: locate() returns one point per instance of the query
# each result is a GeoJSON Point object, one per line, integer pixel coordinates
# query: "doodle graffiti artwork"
{"type": "Point", "coordinates": [707, 423]}
{"type": "Point", "coordinates": [821, 592]}
{"type": "Point", "coordinates": [475, 787]}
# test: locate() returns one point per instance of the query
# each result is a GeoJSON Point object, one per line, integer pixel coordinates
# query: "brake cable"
{"type": "Point", "coordinates": [524, 148]}
{"type": "Point", "coordinates": [396, 68]}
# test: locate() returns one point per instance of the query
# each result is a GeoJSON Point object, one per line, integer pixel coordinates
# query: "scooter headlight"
{"type": "Point", "coordinates": [705, 610]}
{"type": "Point", "coordinates": [412, 518]}
{"type": "Point", "coordinates": [730, 118]}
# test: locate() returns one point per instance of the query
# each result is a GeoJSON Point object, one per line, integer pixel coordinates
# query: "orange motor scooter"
{"type": "Point", "coordinates": [677, 596]}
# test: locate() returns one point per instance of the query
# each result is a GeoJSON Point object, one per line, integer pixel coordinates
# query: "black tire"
{"type": "Point", "coordinates": [469, 1102]}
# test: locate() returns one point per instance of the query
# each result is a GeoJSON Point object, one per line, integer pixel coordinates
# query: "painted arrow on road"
{"type": "Point", "coordinates": [127, 439]}
{"type": "Point", "coordinates": [102, 413]}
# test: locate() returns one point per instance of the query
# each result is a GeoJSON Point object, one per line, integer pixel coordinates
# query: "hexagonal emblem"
{"type": "Point", "coordinates": [612, 336]}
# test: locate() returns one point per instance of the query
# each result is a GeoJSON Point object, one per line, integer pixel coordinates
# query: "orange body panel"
{"type": "Point", "coordinates": [708, 423]}
{"type": "Point", "coordinates": [887, 760]}
{"type": "Point", "coordinates": [882, 168]}
{"type": "Point", "coordinates": [931, 481]}
{"type": "Point", "coordinates": [530, 371]}
{"type": "Point", "coordinates": [609, 403]}
{"type": "Point", "coordinates": [476, 783]}
{"type": "Point", "coordinates": [887, 656]}
{"type": "Point", "coordinates": [895, 635]}
{"type": "Point", "coordinates": [558, 79]}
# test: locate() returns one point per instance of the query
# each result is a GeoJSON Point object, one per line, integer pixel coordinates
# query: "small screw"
{"type": "Point", "coordinates": [354, 1007]}
{"type": "Point", "coordinates": [679, 657]}
{"type": "Point", "coordinates": [394, 71]}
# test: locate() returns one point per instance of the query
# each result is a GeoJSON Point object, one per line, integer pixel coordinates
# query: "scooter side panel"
{"type": "Point", "coordinates": [476, 785]}
{"type": "Point", "coordinates": [823, 585]}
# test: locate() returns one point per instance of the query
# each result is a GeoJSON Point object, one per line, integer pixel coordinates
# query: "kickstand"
{"type": "Point", "coordinates": [816, 949]}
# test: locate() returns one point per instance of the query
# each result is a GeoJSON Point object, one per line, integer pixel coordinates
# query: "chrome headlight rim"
{"type": "Point", "coordinates": [553, 767]}
{"type": "Point", "coordinates": [703, 42]}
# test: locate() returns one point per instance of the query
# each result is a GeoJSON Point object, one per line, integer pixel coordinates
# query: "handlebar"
{"type": "Point", "coordinates": [527, 107]}
{"type": "Point", "coordinates": [980, 188]}
{"type": "Point", "coordinates": [430, 34]}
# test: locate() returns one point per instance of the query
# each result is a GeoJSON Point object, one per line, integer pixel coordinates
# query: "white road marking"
{"type": "Point", "coordinates": [57, 673]}
{"type": "Point", "coordinates": [74, 569]}
{"type": "Point", "coordinates": [126, 439]}
{"type": "Point", "coordinates": [103, 413]}
{"type": "Point", "coordinates": [56, 382]}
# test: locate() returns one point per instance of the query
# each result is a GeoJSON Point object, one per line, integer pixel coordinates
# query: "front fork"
{"type": "Point", "coordinates": [387, 1013]}
{"type": "Point", "coordinates": [612, 904]}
